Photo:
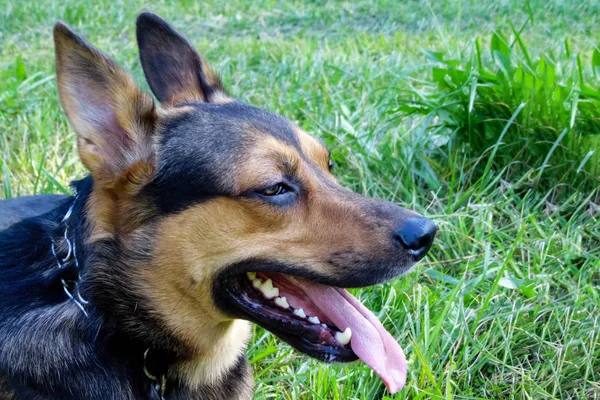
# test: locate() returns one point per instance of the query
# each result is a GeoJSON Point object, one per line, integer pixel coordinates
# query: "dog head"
{"type": "Point", "coordinates": [241, 215]}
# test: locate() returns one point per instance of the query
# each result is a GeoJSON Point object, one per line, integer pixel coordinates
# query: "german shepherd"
{"type": "Point", "coordinates": [199, 215]}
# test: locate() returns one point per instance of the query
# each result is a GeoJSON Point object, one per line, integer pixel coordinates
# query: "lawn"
{"type": "Point", "coordinates": [482, 115]}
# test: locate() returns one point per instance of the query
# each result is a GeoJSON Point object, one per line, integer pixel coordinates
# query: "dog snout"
{"type": "Point", "coordinates": [416, 236]}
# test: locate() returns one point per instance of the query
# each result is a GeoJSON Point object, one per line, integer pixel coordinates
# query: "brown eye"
{"type": "Point", "coordinates": [275, 190]}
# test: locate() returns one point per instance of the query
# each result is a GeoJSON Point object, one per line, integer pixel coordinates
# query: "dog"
{"type": "Point", "coordinates": [200, 215]}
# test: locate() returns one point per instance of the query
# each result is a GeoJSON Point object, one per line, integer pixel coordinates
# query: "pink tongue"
{"type": "Point", "coordinates": [370, 341]}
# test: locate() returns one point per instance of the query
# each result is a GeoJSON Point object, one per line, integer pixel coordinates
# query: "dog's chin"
{"type": "Point", "coordinates": [277, 298]}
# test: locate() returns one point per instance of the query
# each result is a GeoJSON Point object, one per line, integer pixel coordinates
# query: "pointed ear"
{"type": "Point", "coordinates": [174, 70]}
{"type": "Point", "coordinates": [113, 119]}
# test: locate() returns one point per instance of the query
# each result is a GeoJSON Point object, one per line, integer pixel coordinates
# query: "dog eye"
{"type": "Point", "coordinates": [275, 190]}
{"type": "Point", "coordinates": [331, 165]}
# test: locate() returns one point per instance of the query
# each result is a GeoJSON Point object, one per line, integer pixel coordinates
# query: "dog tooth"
{"type": "Point", "coordinates": [251, 275]}
{"type": "Point", "coordinates": [282, 302]}
{"type": "Point", "coordinates": [270, 293]}
{"type": "Point", "coordinates": [300, 313]}
{"type": "Point", "coordinates": [268, 285]}
{"type": "Point", "coordinates": [266, 288]}
{"type": "Point", "coordinates": [314, 320]}
{"type": "Point", "coordinates": [324, 326]}
{"type": "Point", "coordinates": [344, 338]}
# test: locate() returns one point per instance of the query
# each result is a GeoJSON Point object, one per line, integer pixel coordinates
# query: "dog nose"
{"type": "Point", "coordinates": [416, 235]}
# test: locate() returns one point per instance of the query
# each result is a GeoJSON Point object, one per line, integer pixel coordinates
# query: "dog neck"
{"type": "Point", "coordinates": [48, 342]}
{"type": "Point", "coordinates": [176, 341]}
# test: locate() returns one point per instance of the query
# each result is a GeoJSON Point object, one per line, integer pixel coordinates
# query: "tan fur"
{"type": "Point", "coordinates": [116, 208]}
{"type": "Point", "coordinates": [99, 98]}
{"type": "Point", "coordinates": [115, 126]}
{"type": "Point", "coordinates": [215, 358]}
{"type": "Point", "coordinates": [187, 76]}
{"type": "Point", "coordinates": [221, 97]}
{"type": "Point", "coordinates": [313, 150]}
{"type": "Point", "coordinates": [194, 93]}
{"type": "Point", "coordinates": [183, 300]}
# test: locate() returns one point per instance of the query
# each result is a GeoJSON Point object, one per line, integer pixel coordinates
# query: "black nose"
{"type": "Point", "coordinates": [416, 235]}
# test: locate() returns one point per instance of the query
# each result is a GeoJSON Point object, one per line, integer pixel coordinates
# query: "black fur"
{"type": "Point", "coordinates": [164, 54]}
{"type": "Point", "coordinates": [14, 210]}
{"type": "Point", "coordinates": [50, 350]}
{"type": "Point", "coordinates": [213, 139]}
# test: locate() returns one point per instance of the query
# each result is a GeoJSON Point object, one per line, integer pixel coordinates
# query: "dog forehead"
{"type": "Point", "coordinates": [228, 127]}
{"type": "Point", "coordinates": [203, 146]}
{"type": "Point", "coordinates": [221, 137]}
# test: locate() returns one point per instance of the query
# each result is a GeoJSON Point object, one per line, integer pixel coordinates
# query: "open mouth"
{"type": "Point", "coordinates": [322, 321]}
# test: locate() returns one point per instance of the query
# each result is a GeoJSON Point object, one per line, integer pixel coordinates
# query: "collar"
{"type": "Point", "coordinates": [71, 287]}
{"type": "Point", "coordinates": [70, 261]}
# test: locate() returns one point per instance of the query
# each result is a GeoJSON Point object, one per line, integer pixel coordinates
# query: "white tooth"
{"type": "Point", "coordinates": [344, 338]}
{"type": "Point", "coordinates": [282, 302]}
{"type": "Point", "coordinates": [324, 326]}
{"type": "Point", "coordinates": [251, 275]}
{"type": "Point", "coordinates": [314, 320]}
{"type": "Point", "coordinates": [268, 284]}
{"type": "Point", "coordinates": [257, 283]}
{"type": "Point", "coordinates": [300, 313]}
{"type": "Point", "coordinates": [268, 290]}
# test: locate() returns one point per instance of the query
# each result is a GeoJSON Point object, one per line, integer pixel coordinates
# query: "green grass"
{"type": "Point", "coordinates": [507, 303]}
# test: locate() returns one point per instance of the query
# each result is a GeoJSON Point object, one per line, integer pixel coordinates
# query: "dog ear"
{"type": "Point", "coordinates": [174, 70]}
{"type": "Point", "coordinates": [113, 119]}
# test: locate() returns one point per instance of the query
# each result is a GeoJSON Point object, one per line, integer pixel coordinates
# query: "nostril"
{"type": "Point", "coordinates": [416, 235]}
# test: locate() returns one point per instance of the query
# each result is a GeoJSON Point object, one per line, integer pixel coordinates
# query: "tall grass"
{"type": "Point", "coordinates": [552, 102]}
